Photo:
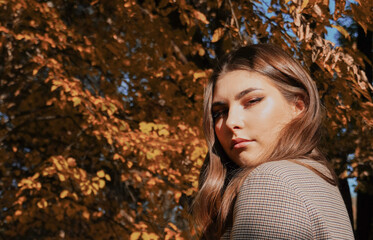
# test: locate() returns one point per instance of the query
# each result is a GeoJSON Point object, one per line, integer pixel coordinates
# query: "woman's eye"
{"type": "Point", "coordinates": [218, 114]}
{"type": "Point", "coordinates": [253, 101]}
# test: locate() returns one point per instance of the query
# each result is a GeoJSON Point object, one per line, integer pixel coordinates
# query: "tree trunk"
{"type": "Point", "coordinates": [364, 229]}
{"type": "Point", "coordinates": [346, 195]}
{"type": "Point", "coordinates": [364, 216]}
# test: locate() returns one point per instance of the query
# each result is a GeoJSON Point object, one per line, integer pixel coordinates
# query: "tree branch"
{"type": "Point", "coordinates": [235, 19]}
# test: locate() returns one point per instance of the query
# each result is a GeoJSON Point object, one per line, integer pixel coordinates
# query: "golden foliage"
{"type": "Point", "coordinates": [101, 105]}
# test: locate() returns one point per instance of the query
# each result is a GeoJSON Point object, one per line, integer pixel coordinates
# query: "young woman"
{"type": "Point", "coordinates": [264, 177]}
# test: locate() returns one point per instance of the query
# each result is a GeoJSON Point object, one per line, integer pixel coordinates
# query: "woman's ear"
{"type": "Point", "coordinates": [298, 106]}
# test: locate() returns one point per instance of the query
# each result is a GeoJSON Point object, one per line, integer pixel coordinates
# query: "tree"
{"type": "Point", "coordinates": [359, 38]}
{"type": "Point", "coordinates": [101, 105]}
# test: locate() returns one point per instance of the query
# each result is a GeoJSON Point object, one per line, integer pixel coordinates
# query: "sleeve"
{"type": "Point", "coordinates": [268, 208]}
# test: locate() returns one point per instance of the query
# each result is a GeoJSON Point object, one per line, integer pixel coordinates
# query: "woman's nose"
{"type": "Point", "coordinates": [234, 119]}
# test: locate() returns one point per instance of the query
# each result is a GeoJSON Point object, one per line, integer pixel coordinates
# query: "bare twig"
{"type": "Point", "coordinates": [178, 52]}
{"type": "Point", "coordinates": [235, 20]}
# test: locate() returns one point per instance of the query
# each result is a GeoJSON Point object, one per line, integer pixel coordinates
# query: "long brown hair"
{"type": "Point", "coordinates": [220, 178]}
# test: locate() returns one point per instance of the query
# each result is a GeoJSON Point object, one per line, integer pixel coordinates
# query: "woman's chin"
{"type": "Point", "coordinates": [244, 159]}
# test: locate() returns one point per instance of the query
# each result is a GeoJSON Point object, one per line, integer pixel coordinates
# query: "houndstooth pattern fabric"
{"type": "Point", "coordinates": [284, 200]}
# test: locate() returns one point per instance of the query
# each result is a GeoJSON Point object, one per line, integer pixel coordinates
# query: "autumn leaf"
{"type": "Point", "coordinates": [101, 106]}
{"type": "Point", "coordinates": [218, 34]}
{"type": "Point", "coordinates": [197, 75]}
{"type": "Point", "coordinates": [135, 235]}
{"type": "Point", "coordinates": [342, 31]}
{"type": "Point", "coordinates": [64, 193]}
{"type": "Point", "coordinates": [304, 4]}
{"type": "Point", "coordinates": [101, 174]}
{"type": "Point", "coordinates": [200, 16]}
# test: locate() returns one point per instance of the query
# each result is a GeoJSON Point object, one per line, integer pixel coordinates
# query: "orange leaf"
{"type": "Point", "coordinates": [218, 33]}
{"type": "Point", "coordinates": [86, 215]}
{"type": "Point", "coordinates": [71, 162]}
{"type": "Point", "coordinates": [64, 194]}
{"type": "Point", "coordinates": [17, 213]}
{"type": "Point", "coordinates": [200, 16]}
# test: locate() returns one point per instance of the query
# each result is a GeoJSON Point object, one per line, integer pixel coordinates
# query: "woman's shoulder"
{"type": "Point", "coordinates": [296, 193]}
{"type": "Point", "coordinates": [288, 169]}
{"type": "Point", "coordinates": [300, 175]}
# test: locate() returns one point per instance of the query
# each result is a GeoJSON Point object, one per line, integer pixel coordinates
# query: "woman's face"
{"type": "Point", "coordinates": [249, 113]}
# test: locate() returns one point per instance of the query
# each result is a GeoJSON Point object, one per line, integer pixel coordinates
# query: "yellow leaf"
{"type": "Point", "coordinates": [218, 33]}
{"type": "Point", "coordinates": [195, 184]}
{"type": "Point", "coordinates": [76, 101]}
{"type": "Point", "coordinates": [135, 235]}
{"type": "Point", "coordinates": [64, 194]}
{"type": "Point", "coordinates": [107, 177]}
{"type": "Point", "coordinates": [173, 226]}
{"type": "Point", "coordinates": [61, 177]}
{"type": "Point", "coordinates": [42, 203]}
{"type": "Point", "coordinates": [151, 182]}
{"type": "Point", "coordinates": [101, 183]}
{"type": "Point", "coordinates": [197, 75]}
{"type": "Point", "coordinates": [153, 236]}
{"type": "Point", "coordinates": [36, 175]}
{"type": "Point", "coordinates": [199, 163]}
{"type": "Point", "coordinates": [138, 178]}
{"type": "Point", "coordinates": [201, 51]}
{"type": "Point", "coordinates": [54, 87]}
{"type": "Point", "coordinates": [116, 156]}
{"type": "Point", "coordinates": [127, 4]}
{"type": "Point", "coordinates": [101, 174]}
{"type": "Point", "coordinates": [163, 132]}
{"type": "Point", "coordinates": [177, 196]}
{"type": "Point", "coordinates": [149, 236]}
{"type": "Point", "coordinates": [35, 71]}
{"type": "Point", "coordinates": [342, 31]}
{"type": "Point", "coordinates": [95, 187]}
{"type": "Point", "coordinates": [75, 196]}
{"type": "Point", "coordinates": [146, 127]}
{"type": "Point", "coordinates": [189, 192]}
{"type": "Point", "coordinates": [58, 165]}
{"type": "Point", "coordinates": [145, 236]}
{"type": "Point", "coordinates": [197, 153]}
{"type": "Point", "coordinates": [304, 4]}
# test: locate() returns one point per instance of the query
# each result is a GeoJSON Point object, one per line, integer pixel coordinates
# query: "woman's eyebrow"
{"type": "Point", "coordinates": [216, 104]}
{"type": "Point", "coordinates": [237, 97]}
{"type": "Point", "coordinates": [244, 92]}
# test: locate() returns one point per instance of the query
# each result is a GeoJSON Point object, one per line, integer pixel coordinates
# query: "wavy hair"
{"type": "Point", "coordinates": [220, 178]}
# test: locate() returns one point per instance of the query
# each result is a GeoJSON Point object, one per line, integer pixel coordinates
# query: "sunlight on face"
{"type": "Point", "coordinates": [249, 113]}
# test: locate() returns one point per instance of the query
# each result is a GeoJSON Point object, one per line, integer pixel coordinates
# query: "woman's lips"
{"type": "Point", "coordinates": [238, 143]}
